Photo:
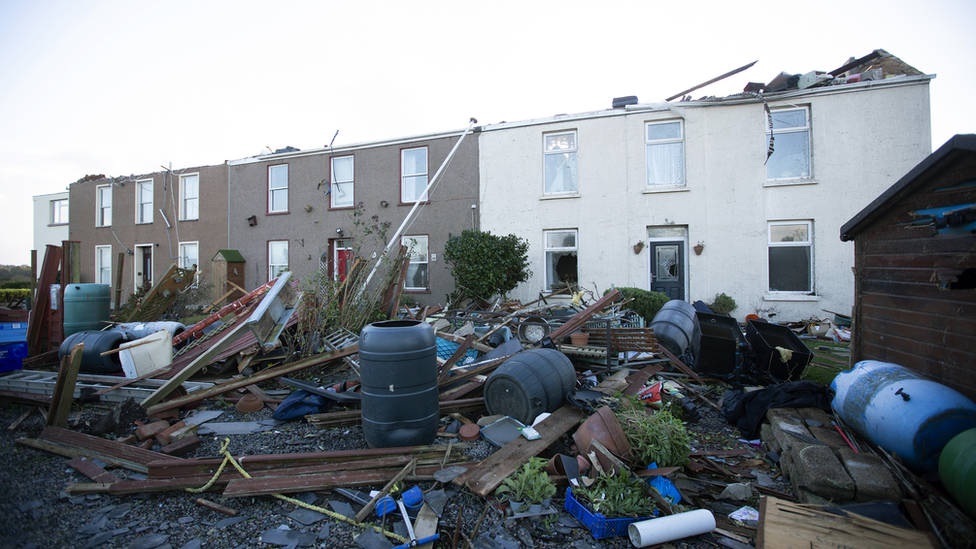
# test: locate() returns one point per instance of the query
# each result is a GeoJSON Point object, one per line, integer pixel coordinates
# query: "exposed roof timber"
{"type": "Point", "coordinates": [959, 144]}
{"type": "Point", "coordinates": [856, 63]}
{"type": "Point", "coordinates": [713, 80]}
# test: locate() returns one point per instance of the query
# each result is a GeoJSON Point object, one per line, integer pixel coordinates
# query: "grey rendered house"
{"type": "Point", "coordinates": [295, 209]}
{"type": "Point", "coordinates": [157, 220]}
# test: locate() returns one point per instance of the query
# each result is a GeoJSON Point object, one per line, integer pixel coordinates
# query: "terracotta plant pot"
{"type": "Point", "coordinates": [698, 249]}
{"type": "Point", "coordinates": [579, 338]}
{"type": "Point", "coordinates": [638, 248]}
{"type": "Point", "coordinates": [604, 427]}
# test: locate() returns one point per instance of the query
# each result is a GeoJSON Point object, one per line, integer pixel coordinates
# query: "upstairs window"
{"type": "Point", "coordinates": [665, 153]}
{"type": "Point", "coordinates": [278, 188]}
{"type": "Point", "coordinates": [791, 144]}
{"type": "Point", "coordinates": [560, 160]}
{"type": "Point", "coordinates": [59, 212]}
{"type": "Point", "coordinates": [342, 182]}
{"type": "Point", "coordinates": [103, 212]}
{"type": "Point", "coordinates": [791, 256]}
{"type": "Point", "coordinates": [561, 263]}
{"type": "Point", "coordinates": [417, 272]}
{"type": "Point", "coordinates": [144, 201]}
{"type": "Point", "coordinates": [189, 197]}
{"type": "Point", "coordinates": [413, 173]}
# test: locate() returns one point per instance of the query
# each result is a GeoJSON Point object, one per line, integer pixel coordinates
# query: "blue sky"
{"type": "Point", "coordinates": [126, 87]}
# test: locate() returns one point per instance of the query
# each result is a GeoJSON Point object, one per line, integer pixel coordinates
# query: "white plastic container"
{"type": "Point", "coordinates": [146, 355]}
{"type": "Point", "coordinates": [670, 528]}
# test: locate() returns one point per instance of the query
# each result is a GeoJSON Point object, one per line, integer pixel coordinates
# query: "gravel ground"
{"type": "Point", "coordinates": [37, 513]}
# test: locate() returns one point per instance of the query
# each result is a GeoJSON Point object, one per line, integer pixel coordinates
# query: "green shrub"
{"type": "Point", "coordinates": [485, 265]}
{"type": "Point", "coordinates": [15, 285]}
{"type": "Point", "coordinates": [646, 303]}
{"type": "Point", "coordinates": [10, 296]}
{"type": "Point", "coordinates": [722, 305]}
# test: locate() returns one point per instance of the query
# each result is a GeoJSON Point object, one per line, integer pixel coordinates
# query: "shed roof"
{"type": "Point", "coordinates": [231, 256]}
{"type": "Point", "coordinates": [959, 144]}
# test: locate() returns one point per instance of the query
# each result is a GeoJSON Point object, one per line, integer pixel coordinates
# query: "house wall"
{"type": "Point", "coordinates": [163, 234]}
{"type": "Point", "coordinates": [310, 224]}
{"type": "Point", "coordinates": [916, 303]}
{"type": "Point", "coordinates": [863, 137]}
{"type": "Point", "coordinates": [45, 232]}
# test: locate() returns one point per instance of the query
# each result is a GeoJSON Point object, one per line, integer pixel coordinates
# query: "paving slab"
{"type": "Point", "coordinates": [872, 479]}
{"type": "Point", "coordinates": [784, 423]}
{"type": "Point", "coordinates": [817, 469]}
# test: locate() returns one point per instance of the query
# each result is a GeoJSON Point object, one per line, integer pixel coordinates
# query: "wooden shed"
{"type": "Point", "coordinates": [915, 270]}
{"type": "Point", "coordinates": [228, 275]}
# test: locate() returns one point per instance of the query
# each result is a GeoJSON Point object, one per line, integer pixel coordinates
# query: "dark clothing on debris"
{"type": "Point", "coordinates": [747, 410]}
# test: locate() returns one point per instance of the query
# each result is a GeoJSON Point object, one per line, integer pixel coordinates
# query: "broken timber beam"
{"type": "Point", "coordinates": [64, 389]}
{"type": "Point", "coordinates": [492, 471]}
{"type": "Point", "coordinates": [581, 317]}
{"type": "Point", "coordinates": [71, 444]}
{"type": "Point", "coordinates": [270, 373]}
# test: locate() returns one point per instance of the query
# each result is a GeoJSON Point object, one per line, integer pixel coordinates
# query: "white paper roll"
{"type": "Point", "coordinates": [670, 528]}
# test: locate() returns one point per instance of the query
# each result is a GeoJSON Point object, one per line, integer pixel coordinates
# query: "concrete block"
{"type": "Point", "coordinates": [872, 479]}
{"type": "Point", "coordinates": [783, 421]}
{"type": "Point", "coordinates": [817, 469]}
{"type": "Point", "coordinates": [766, 434]}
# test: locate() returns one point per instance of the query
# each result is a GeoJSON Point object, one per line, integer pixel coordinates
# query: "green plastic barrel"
{"type": "Point", "coordinates": [957, 469]}
{"type": "Point", "coordinates": [86, 307]}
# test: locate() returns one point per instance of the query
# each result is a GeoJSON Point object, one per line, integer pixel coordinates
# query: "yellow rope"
{"type": "Point", "coordinates": [230, 459]}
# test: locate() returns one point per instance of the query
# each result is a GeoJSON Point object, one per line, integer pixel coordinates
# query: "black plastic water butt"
{"type": "Point", "coordinates": [530, 383]}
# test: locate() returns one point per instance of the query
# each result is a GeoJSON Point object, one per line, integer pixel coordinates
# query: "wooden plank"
{"type": "Point", "coordinates": [64, 390]}
{"type": "Point", "coordinates": [270, 373]}
{"type": "Point", "coordinates": [460, 339]}
{"type": "Point", "coordinates": [368, 508]}
{"type": "Point", "coordinates": [458, 353]}
{"type": "Point", "coordinates": [38, 338]}
{"type": "Point", "coordinates": [581, 317]}
{"type": "Point", "coordinates": [71, 444]}
{"type": "Point", "coordinates": [492, 471]}
{"type": "Point", "coordinates": [198, 364]}
{"type": "Point", "coordinates": [91, 470]}
{"type": "Point", "coordinates": [303, 483]}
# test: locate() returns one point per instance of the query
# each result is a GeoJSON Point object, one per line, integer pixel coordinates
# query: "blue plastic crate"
{"type": "Point", "coordinates": [598, 525]}
{"type": "Point", "coordinates": [13, 332]}
{"type": "Point", "coordinates": [12, 356]}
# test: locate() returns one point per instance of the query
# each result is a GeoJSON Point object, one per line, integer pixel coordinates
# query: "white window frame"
{"type": "Point", "coordinates": [275, 269]}
{"type": "Point", "coordinates": [278, 196]}
{"type": "Point", "coordinates": [103, 206]}
{"type": "Point", "coordinates": [103, 265]}
{"type": "Point", "coordinates": [189, 202]}
{"type": "Point", "coordinates": [549, 151]}
{"type": "Point", "coordinates": [787, 133]}
{"type": "Point", "coordinates": [416, 258]}
{"type": "Point", "coordinates": [185, 262]}
{"type": "Point", "coordinates": [59, 211]}
{"type": "Point", "coordinates": [144, 209]}
{"type": "Point", "coordinates": [808, 243]}
{"type": "Point", "coordinates": [665, 143]}
{"type": "Point", "coordinates": [550, 268]}
{"type": "Point", "coordinates": [404, 176]}
{"type": "Point", "coordinates": [344, 188]}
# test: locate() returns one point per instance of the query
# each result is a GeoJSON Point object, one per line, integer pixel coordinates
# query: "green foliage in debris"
{"type": "Point", "coordinates": [529, 483]}
{"type": "Point", "coordinates": [485, 265]}
{"type": "Point", "coordinates": [660, 438]}
{"type": "Point", "coordinates": [617, 496]}
{"type": "Point", "coordinates": [722, 304]}
{"type": "Point", "coordinates": [645, 303]}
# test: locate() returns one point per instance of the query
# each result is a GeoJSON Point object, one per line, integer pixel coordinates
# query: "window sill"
{"type": "Point", "coordinates": [789, 182]}
{"type": "Point", "coordinates": [416, 291]}
{"type": "Point", "coordinates": [790, 297]}
{"type": "Point", "coordinates": [145, 223]}
{"type": "Point", "coordinates": [57, 224]}
{"type": "Point", "coordinates": [338, 208]}
{"type": "Point", "coordinates": [186, 220]}
{"type": "Point", "coordinates": [560, 196]}
{"type": "Point", "coordinates": [278, 213]}
{"type": "Point", "coordinates": [666, 189]}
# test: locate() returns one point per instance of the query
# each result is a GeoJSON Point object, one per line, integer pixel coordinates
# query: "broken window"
{"type": "Point", "coordinates": [413, 172]}
{"type": "Point", "coordinates": [791, 256]}
{"type": "Point", "coordinates": [277, 258]}
{"type": "Point", "coordinates": [791, 144]}
{"type": "Point", "coordinates": [59, 212]}
{"type": "Point", "coordinates": [103, 264]}
{"type": "Point", "coordinates": [103, 213]}
{"type": "Point", "coordinates": [278, 188]}
{"type": "Point", "coordinates": [665, 154]}
{"type": "Point", "coordinates": [189, 197]}
{"type": "Point", "coordinates": [342, 177]}
{"type": "Point", "coordinates": [560, 159]}
{"type": "Point", "coordinates": [561, 264]}
{"type": "Point", "coordinates": [144, 201]}
{"type": "Point", "coordinates": [417, 274]}
{"type": "Point", "coordinates": [189, 259]}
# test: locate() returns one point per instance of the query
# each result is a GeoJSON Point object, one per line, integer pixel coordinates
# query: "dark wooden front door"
{"type": "Point", "coordinates": [668, 269]}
